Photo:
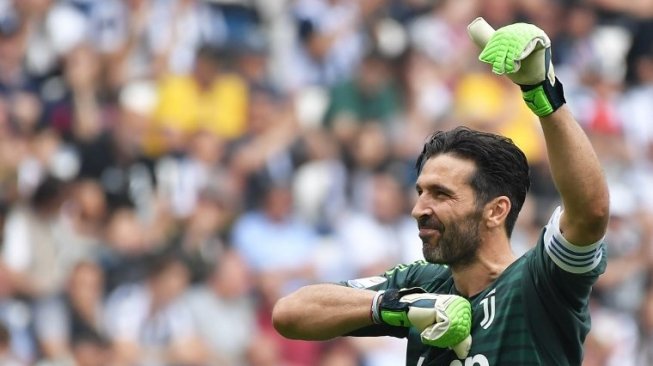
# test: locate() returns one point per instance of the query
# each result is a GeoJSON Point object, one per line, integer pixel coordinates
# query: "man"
{"type": "Point", "coordinates": [149, 323]}
{"type": "Point", "coordinates": [531, 310]}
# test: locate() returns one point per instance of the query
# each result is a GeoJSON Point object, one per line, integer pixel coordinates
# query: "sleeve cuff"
{"type": "Point", "coordinates": [569, 257]}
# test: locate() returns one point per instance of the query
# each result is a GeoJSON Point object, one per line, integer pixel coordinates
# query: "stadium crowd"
{"type": "Point", "coordinates": [170, 168]}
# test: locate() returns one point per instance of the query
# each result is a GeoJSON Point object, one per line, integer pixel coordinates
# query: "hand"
{"type": "Point", "coordinates": [444, 320]}
{"type": "Point", "coordinates": [523, 53]}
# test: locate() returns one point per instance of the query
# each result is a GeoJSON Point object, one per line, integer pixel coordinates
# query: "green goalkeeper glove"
{"type": "Point", "coordinates": [444, 321]}
{"type": "Point", "coordinates": [523, 53]}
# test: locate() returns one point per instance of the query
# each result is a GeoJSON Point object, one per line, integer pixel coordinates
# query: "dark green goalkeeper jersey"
{"type": "Point", "coordinates": [535, 313]}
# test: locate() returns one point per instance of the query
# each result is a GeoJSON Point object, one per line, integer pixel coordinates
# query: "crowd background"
{"type": "Point", "coordinates": [170, 168]}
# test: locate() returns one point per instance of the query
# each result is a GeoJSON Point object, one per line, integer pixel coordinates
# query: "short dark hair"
{"type": "Point", "coordinates": [501, 167]}
{"type": "Point", "coordinates": [161, 262]}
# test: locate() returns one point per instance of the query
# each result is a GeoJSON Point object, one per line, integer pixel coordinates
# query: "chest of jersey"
{"type": "Point", "coordinates": [500, 334]}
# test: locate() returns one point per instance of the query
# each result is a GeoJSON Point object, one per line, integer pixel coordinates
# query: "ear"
{"type": "Point", "coordinates": [496, 211]}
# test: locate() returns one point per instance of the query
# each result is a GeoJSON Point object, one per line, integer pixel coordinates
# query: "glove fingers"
{"type": "Point", "coordinates": [451, 328]}
{"type": "Point", "coordinates": [422, 317]}
{"type": "Point", "coordinates": [495, 55]}
{"type": "Point", "coordinates": [434, 335]}
{"type": "Point", "coordinates": [490, 53]}
{"type": "Point", "coordinates": [500, 56]}
{"type": "Point", "coordinates": [511, 44]}
{"type": "Point", "coordinates": [462, 348]}
{"type": "Point", "coordinates": [501, 63]}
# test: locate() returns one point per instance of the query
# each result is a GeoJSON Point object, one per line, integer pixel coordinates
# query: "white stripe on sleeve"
{"type": "Point", "coordinates": [569, 257]}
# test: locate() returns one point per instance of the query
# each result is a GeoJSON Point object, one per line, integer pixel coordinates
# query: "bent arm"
{"type": "Point", "coordinates": [323, 311]}
{"type": "Point", "coordinates": [578, 177]}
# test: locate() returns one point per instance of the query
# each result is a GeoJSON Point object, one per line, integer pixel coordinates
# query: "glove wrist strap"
{"type": "Point", "coordinates": [390, 310]}
{"type": "Point", "coordinates": [543, 98]}
{"type": "Point", "coordinates": [374, 311]}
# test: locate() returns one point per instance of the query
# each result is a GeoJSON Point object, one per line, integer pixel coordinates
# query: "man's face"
{"type": "Point", "coordinates": [446, 212]}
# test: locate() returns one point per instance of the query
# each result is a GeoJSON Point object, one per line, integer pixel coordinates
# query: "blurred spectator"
{"type": "Point", "coordinates": [319, 182]}
{"type": "Point", "coordinates": [384, 234]}
{"type": "Point", "coordinates": [182, 179]}
{"type": "Point", "coordinates": [369, 96]}
{"type": "Point", "coordinates": [106, 144]}
{"type": "Point", "coordinates": [208, 99]}
{"type": "Point", "coordinates": [635, 111]}
{"type": "Point", "coordinates": [114, 156]}
{"type": "Point", "coordinates": [189, 24]}
{"type": "Point", "coordinates": [265, 155]}
{"type": "Point", "coordinates": [426, 92]}
{"type": "Point", "coordinates": [204, 237]}
{"type": "Point", "coordinates": [52, 29]}
{"type": "Point", "coordinates": [25, 112]}
{"type": "Point", "coordinates": [77, 314]}
{"type": "Point", "coordinates": [252, 60]}
{"type": "Point", "coordinates": [340, 353]}
{"type": "Point", "coordinates": [121, 31]}
{"type": "Point", "coordinates": [575, 49]}
{"type": "Point", "coordinates": [613, 340]}
{"type": "Point", "coordinates": [6, 356]}
{"type": "Point", "coordinates": [36, 248]}
{"type": "Point", "coordinates": [641, 9]}
{"type": "Point", "coordinates": [280, 248]}
{"type": "Point", "coordinates": [499, 12]}
{"type": "Point", "coordinates": [265, 351]}
{"type": "Point", "coordinates": [91, 350]}
{"type": "Point", "coordinates": [85, 213]}
{"type": "Point", "coordinates": [77, 112]}
{"type": "Point", "coordinates": [127, 249]}
{"type": "Point", "coordinates": [40, 160]}
{"type": "Point", "coordinates": [13, 74]}
{"type": "Point", "coordinates": [329, 43]}
{"type": "Point", "coordinates": [441, 34]}
{"type": "Point", "coordinates": [16, 319]}
{"type": "Point", "coordinates": [130, 34]}
{"type": "Point", "coordinates": [149, 324]}
{"type": "Point", "coordinates": [369, 153]}
{"type": "Point", "coordinates": [623, 285]}
{"type": "Point", "coordinates": [276, 243]}
{"type": "Point", "coordinates": [640, 50]}
{"type": "Point", "coordinates": [227, 291]}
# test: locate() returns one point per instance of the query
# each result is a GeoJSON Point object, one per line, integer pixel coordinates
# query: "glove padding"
{"type": "Point", "coordinates": [523, 53]}
{"type": "Point", "coordinates": [444, 320]}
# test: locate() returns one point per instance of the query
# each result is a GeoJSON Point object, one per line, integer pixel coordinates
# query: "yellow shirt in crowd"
{"type": "Point", "coordinates": [221, 108]}
{"type": "Point", "coordinates": [483, 101]}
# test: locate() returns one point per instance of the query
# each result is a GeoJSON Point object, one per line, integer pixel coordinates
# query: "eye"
{"type": "Point", "coordinates": [441, 194]}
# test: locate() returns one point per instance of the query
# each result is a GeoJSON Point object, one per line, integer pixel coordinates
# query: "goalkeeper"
{"type": "Point", "coordinates": [531, 310]}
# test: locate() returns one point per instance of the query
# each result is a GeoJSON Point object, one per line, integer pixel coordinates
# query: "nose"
{"type": "Point", "coordinates": [420, 209]}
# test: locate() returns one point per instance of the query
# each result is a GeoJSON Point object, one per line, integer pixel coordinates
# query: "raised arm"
{"type": "Point", "coordinates": [523, 53]}
{"type": "Point", "coordinates": [578, 177]}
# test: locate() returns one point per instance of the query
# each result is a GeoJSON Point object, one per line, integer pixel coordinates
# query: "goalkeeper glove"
{"type": "Point", "coordinates": [444, 321]}
{"type": "Point", "coordinates": [523, 53]}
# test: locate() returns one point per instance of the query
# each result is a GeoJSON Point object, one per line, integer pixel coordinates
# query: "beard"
{"type": "Point", "coordinates": [458, 242]}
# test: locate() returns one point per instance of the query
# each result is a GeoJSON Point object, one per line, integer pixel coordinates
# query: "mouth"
{"type": "Point", "coordinates": [427, 233]}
